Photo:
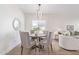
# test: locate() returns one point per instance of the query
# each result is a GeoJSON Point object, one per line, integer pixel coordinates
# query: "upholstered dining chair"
{"type": "Point", "coordinates": [45, 32]}
{"type": "Point", "coordinates": [49, 40]}
{"type": "Point", "coordinates": [46, 42]}
{"type": "Point", "coordinates": [26, 41]}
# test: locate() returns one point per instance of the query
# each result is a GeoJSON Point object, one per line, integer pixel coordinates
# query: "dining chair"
{"type": "Point", "coordinates": [26, 41]}
{"type": "Point", "coordinates": [46, 42]}
{"type": "Point", "coordinates": [45, 32]}
{"type": "Point", "coordinates": [49, 40]}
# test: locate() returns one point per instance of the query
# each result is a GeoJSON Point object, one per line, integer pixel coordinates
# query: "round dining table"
{"type": "Point", "coordinates": [37, 38]}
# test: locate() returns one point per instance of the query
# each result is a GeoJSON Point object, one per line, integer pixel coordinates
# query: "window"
{"type": "Point", "coordinates": [39, 25]}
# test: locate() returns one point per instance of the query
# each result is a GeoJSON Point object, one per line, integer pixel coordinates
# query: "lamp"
{"type": "Point", "coordinates": [39, 15]}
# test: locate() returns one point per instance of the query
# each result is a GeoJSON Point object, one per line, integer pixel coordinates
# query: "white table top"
{"type": "Point", "coordinates": [38, 35]}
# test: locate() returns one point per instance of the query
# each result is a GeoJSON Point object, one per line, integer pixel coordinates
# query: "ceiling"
{"type": "Point", "coordinates": [51, 8]}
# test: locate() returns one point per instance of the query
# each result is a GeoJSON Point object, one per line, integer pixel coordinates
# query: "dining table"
{"type": "Point", "coordinates": [37, 39]}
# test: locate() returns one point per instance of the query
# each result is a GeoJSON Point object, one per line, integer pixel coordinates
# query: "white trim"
{"type": "Point", "coordinates": [10, 48]}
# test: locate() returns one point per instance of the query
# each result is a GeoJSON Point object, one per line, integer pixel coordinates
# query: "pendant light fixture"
{"type": "Point", "coordinates": [39, 13]}
{"type": "Point", "coordinates": [38, 16]}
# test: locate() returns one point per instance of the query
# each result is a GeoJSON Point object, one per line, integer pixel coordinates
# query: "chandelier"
{"type": "Point", "coordinates": [39, 15]}
{"type": "Point", "coordinates": [39, 12]}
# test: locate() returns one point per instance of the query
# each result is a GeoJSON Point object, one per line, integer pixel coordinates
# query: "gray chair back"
{"type": "Point", "coordinates": [25, 40]}
{"type": "Point", "coordinates": [45, 32]}
{"type": "Point", "coordinates": [49, 37]}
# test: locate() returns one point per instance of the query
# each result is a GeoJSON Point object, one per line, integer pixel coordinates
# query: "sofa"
{"type": "Point", "coordinates": [69, 42]}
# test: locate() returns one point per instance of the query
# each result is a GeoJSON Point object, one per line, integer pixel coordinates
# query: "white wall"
{"type": "Point", "coordinates": [59, 21]}
{"type": "Point", "coordinates": [9, 38]}
{"type": "Point", "coordinates": [28, 21]}
{"type": "Point", "coordinates": [55, 21]}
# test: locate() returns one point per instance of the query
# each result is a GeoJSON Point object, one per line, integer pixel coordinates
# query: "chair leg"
{"type": "Point", "coordinates": [51, 47]}
{"type": "Point", "coordinates": [21, 49]}
{"type": "Point", "coordinates": [48, 50]}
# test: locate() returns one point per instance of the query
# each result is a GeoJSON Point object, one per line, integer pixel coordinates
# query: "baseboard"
{"type": "Point", "coordinates": [10, 48]}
